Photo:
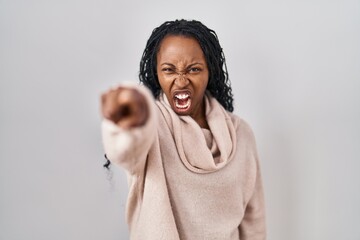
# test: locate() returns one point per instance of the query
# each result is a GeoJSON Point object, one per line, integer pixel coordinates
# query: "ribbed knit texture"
{"type": "Point", "coordinates": [186, 182]}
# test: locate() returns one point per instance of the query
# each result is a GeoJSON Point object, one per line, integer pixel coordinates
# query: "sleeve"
{"type": "Point", "coordinates": [129, 148]}
{"type": "Point", "coordinates": [253, 225]}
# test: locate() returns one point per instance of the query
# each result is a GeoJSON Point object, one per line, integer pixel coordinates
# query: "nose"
{"type": "Point", "coordinates": [181, 80]}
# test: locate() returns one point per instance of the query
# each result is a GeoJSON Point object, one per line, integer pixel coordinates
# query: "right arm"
{"type": "Point", "coordinates": [128, 126]}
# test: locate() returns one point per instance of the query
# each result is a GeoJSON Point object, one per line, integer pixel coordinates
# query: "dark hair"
{"type": "Point", "coordinates": [218, 85]}
{"type": "Point", "coordinates": [107, 163]}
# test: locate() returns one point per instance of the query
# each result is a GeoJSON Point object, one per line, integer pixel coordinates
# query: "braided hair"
{"type": "Point", "coordinates": [218, 85]}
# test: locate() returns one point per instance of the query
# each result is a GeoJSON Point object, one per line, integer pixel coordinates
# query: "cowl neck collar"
{"type": "Point", "coordinates": [190, 140]}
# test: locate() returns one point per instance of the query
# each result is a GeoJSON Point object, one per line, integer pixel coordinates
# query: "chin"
{"type": "Point", "coordinates": [182, 111]}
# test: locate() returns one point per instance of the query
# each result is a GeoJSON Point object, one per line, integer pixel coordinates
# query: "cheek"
{"type": "Point", "coordinates": [163, 84]}
{"type": "Point", "coordinates": [160, 80]}
{"type": "Point", "coordinates": [205, 82]}
{"type": "Point", "coordinates": [206, 78]}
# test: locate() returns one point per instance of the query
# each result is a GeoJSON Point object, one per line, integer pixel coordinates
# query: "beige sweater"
{"type": "Point", "coordinates": [186, 182]}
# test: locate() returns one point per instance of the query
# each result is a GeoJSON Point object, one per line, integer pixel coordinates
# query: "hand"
{"type": "Point", "coordinates": [125, 107]}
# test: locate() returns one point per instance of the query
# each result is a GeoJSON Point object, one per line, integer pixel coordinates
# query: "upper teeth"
{"type": "Point", "coordinates": [182, 96]}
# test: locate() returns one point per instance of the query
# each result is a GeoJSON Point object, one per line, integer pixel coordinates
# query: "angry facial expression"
{"type": "Point", "coordinates": [183, 75]}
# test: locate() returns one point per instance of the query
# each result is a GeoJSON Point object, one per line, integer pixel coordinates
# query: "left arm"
{"type": "Point", "coordinates": [253, 224]}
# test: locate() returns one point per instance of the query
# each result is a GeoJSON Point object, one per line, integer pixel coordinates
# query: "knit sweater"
{"type": "Point", "coordinates": [186, 182]}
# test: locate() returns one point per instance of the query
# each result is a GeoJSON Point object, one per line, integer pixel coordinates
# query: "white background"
{"type": "Point", "coordinates": [295, 72]}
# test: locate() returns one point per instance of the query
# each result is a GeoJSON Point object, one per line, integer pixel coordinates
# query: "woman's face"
{"type": "Point", "coordinates": [183, 75]}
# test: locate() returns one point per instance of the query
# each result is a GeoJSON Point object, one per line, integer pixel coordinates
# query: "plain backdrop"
{"type": "Point", "coordinates": [295, 72]}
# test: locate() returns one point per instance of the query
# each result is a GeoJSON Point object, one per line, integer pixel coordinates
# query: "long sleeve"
{"type": "Point", "coordinates": [129, 148]}
{"type": "Point", "coordinates": [253, 225]}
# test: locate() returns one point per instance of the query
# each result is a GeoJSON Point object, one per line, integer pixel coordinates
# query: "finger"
{"type": "Point", "coordinates": [126, 96]}
{"type": "Point", "coordinates": [110, 106]}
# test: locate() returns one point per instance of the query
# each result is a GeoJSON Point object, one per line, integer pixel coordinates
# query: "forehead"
{"type": "Point", "coordinates": [172, 47]}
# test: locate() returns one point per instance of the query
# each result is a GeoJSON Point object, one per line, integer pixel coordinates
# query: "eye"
{"type": "Point", "coordinates": [168, 70]}
{"type": "Point", "coordinates": [194, 70]}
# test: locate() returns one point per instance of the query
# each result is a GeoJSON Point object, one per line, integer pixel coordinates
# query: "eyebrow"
{"type": "Point", "coordinates": [196, 63]}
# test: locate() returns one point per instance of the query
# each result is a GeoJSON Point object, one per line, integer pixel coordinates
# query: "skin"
{"type": "Point", "coordinates": [125, 107]}
{"type": "Point", "coordinates": [181, 68]}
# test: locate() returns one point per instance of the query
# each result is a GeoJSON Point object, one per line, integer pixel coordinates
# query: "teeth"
{"type": "Point", "coordinates": [182, 106]}
{"type": "Point", "coordinates": [182, 96]}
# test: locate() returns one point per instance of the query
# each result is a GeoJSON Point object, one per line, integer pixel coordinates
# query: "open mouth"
{"type": "Point", "coordinates": [182, 101]}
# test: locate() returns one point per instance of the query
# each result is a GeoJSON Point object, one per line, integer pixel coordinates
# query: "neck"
{"type": "Point", "coordinates": [202, 123]}
{"type": "Point", "coordinates": [200, 118]}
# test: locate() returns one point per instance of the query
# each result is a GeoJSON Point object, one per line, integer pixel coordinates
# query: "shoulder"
{"type": "Point", "coordinates": [242, 127]}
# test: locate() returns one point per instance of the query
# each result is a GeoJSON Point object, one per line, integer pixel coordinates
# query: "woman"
{"type": "Point", "coordinates": [192, 165]}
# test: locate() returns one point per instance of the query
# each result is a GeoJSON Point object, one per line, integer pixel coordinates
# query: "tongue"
{"type": "Point", "coordinates": [182, 101]}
